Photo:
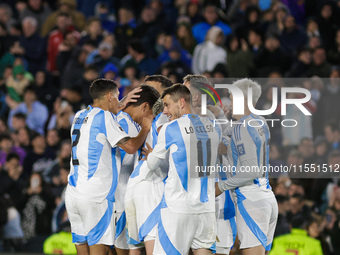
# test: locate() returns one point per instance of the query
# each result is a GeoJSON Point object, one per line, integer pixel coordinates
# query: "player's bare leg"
{"type": "Point", "coordinates": [149, 245]}
{"type": "Point", "coordinates": [258, 250]}
{"type": "Point", "coordinates": [135, 251]}
{"type": "Point", "coordinates": [82, 249]}
{"type": "Point", "coordinates": [202, 252]}
{"type": "Point", "coordinates": [122, 251]}
{"type": "Point", "coordinates": [99, 249]}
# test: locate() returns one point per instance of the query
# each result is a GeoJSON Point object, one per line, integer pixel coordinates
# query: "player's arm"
{"type": "Point", "coordinates": [248, 170]}
{"type": "Point", "coordinates": [155, 156]}
{"type": "Point", "coordinates": [131, 145]}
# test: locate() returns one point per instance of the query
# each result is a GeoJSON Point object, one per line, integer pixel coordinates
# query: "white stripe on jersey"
{"type": "Point", "coordinates": [190, 141]}
{"type": "Point", "coordinates": [95, 162]}
{"type": "Point", "coordinates": [128, 160]}
{"type": "Point", "coordinates": [250, 143]}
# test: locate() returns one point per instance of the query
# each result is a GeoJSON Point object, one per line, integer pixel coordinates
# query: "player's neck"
{"type": "Point", "coordinates": [101, 104]}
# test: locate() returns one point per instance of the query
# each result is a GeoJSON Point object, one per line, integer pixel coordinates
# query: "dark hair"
{"type": "Point", "coordinates": [20, 115]}
{"type": "Point", "coordinates": [148, 95]}
{"type": "Point", "coordinates": [11, 156]}
{"type": "Point", "coordinates": [334, 127]}
{"type": "Point", "coordinates": [63, 14]}
{"type": "Point", "coordinates": [178, 91]}
{"type": "Point", "coordinates": [163, 80]}
{"type": "Point", "coordinates": [100, 87]}
{"type": "Point", "coordinates": [136, 45]}
{"type": "Point", "coordinates": [281, 199]}
{"type": "Point", "coordinates": [30, 88]}
{"type": "Point", "coordinates": [5, 136]}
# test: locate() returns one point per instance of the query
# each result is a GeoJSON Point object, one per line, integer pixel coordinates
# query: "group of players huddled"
{"type": "Point", "coordinates": [133, 187]}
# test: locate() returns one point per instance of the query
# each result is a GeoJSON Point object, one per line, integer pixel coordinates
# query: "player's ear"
{"type": "Point", "coordinates": [182, 102]}
{"type": "Point", "coordinates": [195, 97]}
{"type": "Point", "coordinates": [144, 106]}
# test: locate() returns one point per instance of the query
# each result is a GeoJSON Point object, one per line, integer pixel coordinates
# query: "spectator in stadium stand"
{"type": "Point", "coordinates": [209, 53]}
{"type": "Point", "coordinates": [328, 107]}
{"type": "Point", "coordinates": [332, 134]}
{"type": "Point", "coordinates": [36, 9]}
{"type": "Point", "coordinates": [271, 57]}
{"type": "Point", "coordinates": [306, 148]}
{"type": "Point", "coordinates": [107, 18]}
{"type": "Point", "coordinates": [23, 138]}
{"type": "Point", "coordinates": [280, 12]}
{"type": "Point", "coordinates": [321, 149]}
{"type": "Point", "coordinates": [297, 9]}
{"type": "Point", "coordinates": [297, 242]}
{"type": "Point", "coordinates": [185, 37]}
{"type": "Point", "coordinates": [124, 30]}
{"type": "Point", "coordinates": [147, 28]}
{"type": "Point", "coordinates": [18, 121]}
{"type": "Point", "coordinates": [37, 213]}
{"type": "Point", "coordinates": [39, 158]}
{"type": "Point", "coordinates": [88, 7]}
{"type": "Point", "coordinates": [105, 56]}
{"type": "Point", "coordinates": [64, 6]}
{"type": "Point", "coordinates": [46, 92]}
{"type": "Point", "coordinates": [66, 50]}
{"type": "Point", "coordinates": [7, 146]}
{"type": "Point", "coordinates": [301, 65]}
{"type": "Point", "coordinates": [36, 112]}
{"type": "Point", "coordinates": [55, 38]}
{"type": "Point", "coordinates": [33, 44]}
{"type": "Point", "coordinates": [53, 140]}
{"type": "Point", "coordinates": [74, 69]}
{"type": "Point", "coordinates": [333, 54]}
{"type": "Point", "coordinates": [282, 226]}
{"type": "Point", "coordinates": [255, 39]}
{"type": "Point", "coordinates": [320, 67]}
{"type": "Point", "coordinates": [12, 181]}
{"type": "Point", "coordinates": [211, 19]}
{"type": "Point", "coordinates": [94, 32]}
{"type": "Point", "coordinates": [327, 23]}
{"type": "Point", "coordinates": [298, 208]}
{"type": "Point", "coordinates": [146, 65]}
{"type": "Point", "coordinates": [292, 37]}
{"type": "Point", "coordinates": [251, 21]}
{"type": "Point", "coordinates": [90, 74]}
{"type": "Point", "coordinates": [16, 85]}
{"type": "Point", "coordinates": [6, 16]}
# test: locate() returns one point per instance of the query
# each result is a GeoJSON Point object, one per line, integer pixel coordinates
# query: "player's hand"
{"type": "Point", "coordinates": [129, 98]}
{"type": "Point", "coordinates": [146, 151]}
{"type": "Point", "coordinates": [147, 122]}
{"type": "Point", "coordinates": [217, 190]}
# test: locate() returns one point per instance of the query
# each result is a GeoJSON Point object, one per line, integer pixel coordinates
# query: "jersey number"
{"type": "Point", "coordinates": [295, 252]}
{"type": "Point", "coordinates": [200, 158]}
{"type": "Point", "coordinates": [75, 132]}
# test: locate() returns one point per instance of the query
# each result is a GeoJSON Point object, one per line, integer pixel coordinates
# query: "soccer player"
{"type": "Point", "coordinates": [188, 205]}
{"type": "Point", "coordinates": [95, 166]}
{"type": "Point", "coordinates": [256, 206]}
{"type": "Point", "coordinates": [140, 206]}
{"type": "Point", "coordinates": [130, 120]}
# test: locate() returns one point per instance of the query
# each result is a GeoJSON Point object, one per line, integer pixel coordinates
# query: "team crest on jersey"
{"type": "Point", "coordinates": [240, 149]}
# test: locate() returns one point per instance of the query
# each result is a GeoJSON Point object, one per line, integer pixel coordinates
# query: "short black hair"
{"type": "Point", "coordinates": [30, 88]}
{"type": "Point", "coordinates": [11, 156]}
{"type": "Point", "coordinates": [148, 94]}
{"type": "Point", "coordinates": [334, 126]}
{"type": "Point", "coordinates": [20, 115]}
{"type": "Point", "coordinates": [281, 199]}
{"type": "Point", "coordinates": [178, 91]}
{"type": "Point", "coordinates": [136, 45]}
{"type": "Point", "coordinates": [5, 136]}
{"type": "Point", "coordinates": [100, 87]}
{"type": "Point", "coordinates": [163, 80]}
{"type": "Point", "coordinates": [298, 197]}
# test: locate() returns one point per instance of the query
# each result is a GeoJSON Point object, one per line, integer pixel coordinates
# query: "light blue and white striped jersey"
{"type": "Point", "coordinates": [95, 162]}
{"type": "Point", "coordinates": [249, 147]}
{"type": "Point", "coordinates": [128, 160]}
{"type": "Point", "coordinates": [141, 171]}
{"type": "Point", "coordinates": [191, 142]}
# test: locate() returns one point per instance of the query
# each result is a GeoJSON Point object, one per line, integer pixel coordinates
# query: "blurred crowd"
{"type": "Point", "coordinates": [51, 51]}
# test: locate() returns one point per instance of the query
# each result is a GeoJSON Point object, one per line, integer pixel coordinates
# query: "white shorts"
{"type": "Point", "coordinates": [91, 222]}
{"type": "Point", "coordinates": [120, 237]}
{"type": "Point", "coordinates": [178, 232]}
{"type": "Point", "coordinates": [226, 234]}
{"type": "Point", "coordinates": [142, 207]}
{"type": "Point", "coordinates": [256, 222]}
